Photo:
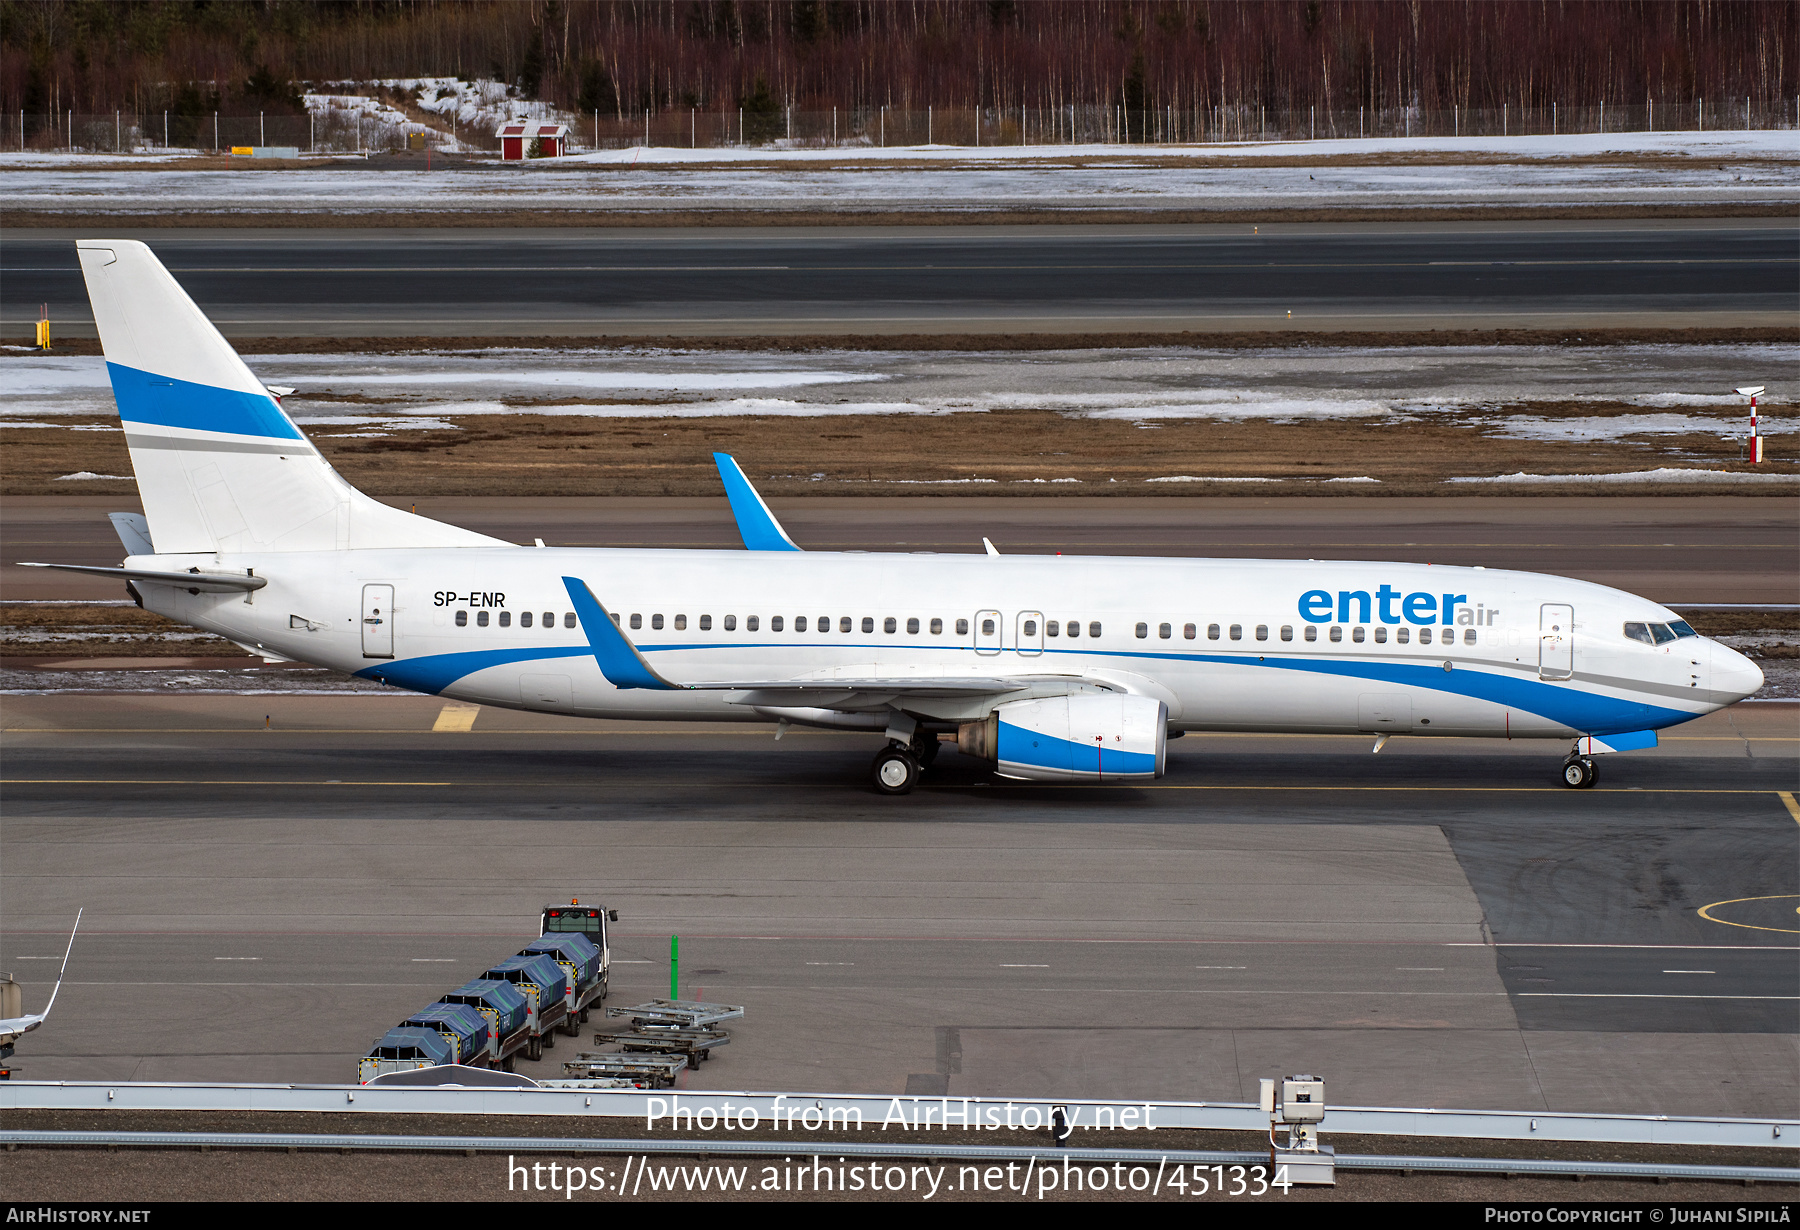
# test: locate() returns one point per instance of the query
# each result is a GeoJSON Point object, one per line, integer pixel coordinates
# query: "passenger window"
{"type": "Point", "coordinates": [1424, 636]}
{"type": "Point", "coordinates": [1262, 632]}
{"type": "Point", "coordinates": [1468, 636]}
{"type": "Point", "coordinates": [1164, 631]}
{"type": "Point", "coordinates": [1402, 636]}
{"type": "Point", "coordinates": [656, 622]}
{"type": "Point", "coordinates": [775, 624]}
{"type": "Point", "coordinates": [1337, 633]}
{"type": "Point", "coordinates": [506, 619]}
{"type": "Point", "coordinates": [824, 623]}
{"type": "Point", "coordinates": [524, 619]}
{"type": "Point", "coordinates": [751, 622]}
{"type": "Point", "coordinates": [1093, 627]}
{"type": "Point", "coordinates": [1143, 630]}
{"type": "Point", "coordinates": [1287, 632]}
{"type": "Point", "coordinates": [888, 624]}
{"type": "Point", "coordinates": [1311, 633]}
{"type": "Point", "coordinates": [1381, 636]}
{"type": "Point", "coordinates": [731, 623]}
{"type": "Point", "coordinates": [549, 619]}
{"type": "Point", "coordinates": [1188, 631]}
{"type": "Point", "coordinates": [1052, 628]}
{"type": "Point", "coordinates": [912, 627]}
{"type": "Point", "coordinates": [1356, 634]}
{"type": "Point", "coordinates": [1031, 627]}
{"type": "Point", "coordinates": [1074, 627]}
{"type": "Point", "coordinates": [843, 624]}
{"type": "Point", "coordinates": [481, 619]}
{"type": "Point", "coordinates": [637, 621]}
{"type": "Point", "coordinates": [1237, 632]}
{"type": "Point", "coordinates": [462, 619]}
{"type": "Point", "coordinates": [1661, 633]}
{"type": "Point", "coordinates": [569, 619]}
{"type": "Point", "coordinates": [868, 624]}
{"type": "Point", "coordinates": [987, 627]}
{"type": "Point", "coordinates": [962, 627]}
{"type": "Point", "coordinates": [1212, 632]}
{"type": "Point", "coordinates": [681, 623]}
{"type": "Point", "coordinates": [800, 624]}
{"type": "Point", "coordinates": [706, 623]}
{"type": "Point", "coordinates": [937, 627]}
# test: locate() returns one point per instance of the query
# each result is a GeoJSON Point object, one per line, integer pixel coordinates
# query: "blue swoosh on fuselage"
{"type": "Point", "coordinates": [1578, 710]}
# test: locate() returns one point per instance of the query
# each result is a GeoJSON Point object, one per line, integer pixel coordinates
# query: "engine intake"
{"type": "Point", "coordinates": [1072, 738]}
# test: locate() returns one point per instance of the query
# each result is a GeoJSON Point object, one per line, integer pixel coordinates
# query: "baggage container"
{"type": "Point", "coordinates": [545, 985]}
{"type": "Point", "coordinates": [503, 1005]}
{"type": "Point", "coordinates": [586, 968]}
{"type": "Point", "coordinates": [465, 1029]}
{"type": "Point", "coordinates": [403, 1049]}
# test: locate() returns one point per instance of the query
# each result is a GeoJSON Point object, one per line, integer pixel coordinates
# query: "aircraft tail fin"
{"type": "Point", "coordinates": [220, 466]}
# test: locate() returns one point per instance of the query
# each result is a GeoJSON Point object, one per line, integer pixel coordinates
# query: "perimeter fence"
{"type": "Point", "coordinates": [340, 131]}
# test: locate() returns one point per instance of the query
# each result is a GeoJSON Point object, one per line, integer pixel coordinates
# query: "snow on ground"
{"type": "Point", "coordinates": [1682, 389]}
{"type": "Point", "coordinates": [1740, 168]}
{"type": "Point", "coordinates": [1663, 475]}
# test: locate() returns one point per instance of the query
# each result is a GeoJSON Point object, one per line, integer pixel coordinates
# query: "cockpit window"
{"type": "Point", "coordinates": [1639, 632]}
{"type": "Point", "coordinates": [1661, 633]}
{"type": "Point", "coordinates": [1680, 628]}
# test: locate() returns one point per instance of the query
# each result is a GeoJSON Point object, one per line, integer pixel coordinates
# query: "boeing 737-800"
{"type": "Point", "coordinates": [1049, 667]}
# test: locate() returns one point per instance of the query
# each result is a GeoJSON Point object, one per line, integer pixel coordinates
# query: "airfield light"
{"type": "Point", "coordinates": [1756, 449]}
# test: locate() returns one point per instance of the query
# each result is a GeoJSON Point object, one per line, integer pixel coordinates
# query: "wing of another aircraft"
{"type": "Point", "coordinates": [13, 1028]}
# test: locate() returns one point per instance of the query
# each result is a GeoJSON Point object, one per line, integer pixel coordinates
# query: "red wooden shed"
{"type": "Point", "coordinates": [516, 137]}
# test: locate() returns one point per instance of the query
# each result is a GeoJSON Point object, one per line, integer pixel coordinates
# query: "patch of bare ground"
{"type": "Point", "coordinates": [1004, 452]}
{"type": "Point", "coordinates": [1277, 336]}
{"type": "Point", "coordinates": [82, 631]}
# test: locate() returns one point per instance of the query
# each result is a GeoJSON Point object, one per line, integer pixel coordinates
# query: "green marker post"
{"type": "Point", "coordinates": [674, 967]}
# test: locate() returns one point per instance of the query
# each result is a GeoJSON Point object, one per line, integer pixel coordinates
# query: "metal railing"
{"type": "Point", "coordinates": [802, 1108]}
{"type": "Point", "coordinates": [332, 131]}
{"type": "Point", "coordinates": [937, 1153]}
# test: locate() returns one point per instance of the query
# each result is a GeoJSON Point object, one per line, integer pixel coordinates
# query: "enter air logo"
{"type": "Point", "coordinates": [1389, 606]}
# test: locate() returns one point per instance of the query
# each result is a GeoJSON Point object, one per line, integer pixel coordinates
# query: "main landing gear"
{"type": "Point", "coordinates": [897, 767]}
{"type": "Point", "coordinates": [1579, 772]}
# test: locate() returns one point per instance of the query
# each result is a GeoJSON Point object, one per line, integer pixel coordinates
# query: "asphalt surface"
{"type": "Point", "coordinates": [272, 881]}
{"type": "Point", "coordinates": [1705, 549]}
{"type": "Point", "coordinates": [656, 282]}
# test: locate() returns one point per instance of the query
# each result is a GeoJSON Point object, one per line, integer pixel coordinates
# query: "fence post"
{"type": "Point", "coordinates": [740, 125]}
{"type": "Point", "coordinates": [596, 128]}
{"type": "Point", "coordinates": [262, 132]}
{"type": "Point", "coordinates": [215, 132]}
{"type": "Point", "coordinates": [1456, 121]}
{"type": "Point", "coordinates": [1553, 118]}
{"type": "Point", "coordinates": [884, 127]}
{"type": "Point", "coordinates": [928, 124]}
{"type": "Point", "coordinates": [1602, 115]}
{"type": "Point", "coordinates": [1359, 123]}
{"type": "Point", "coordinates": [1503, 120]}
{"type": "Point", "coordinates": [118, 131]}
{"type": "Point", "coordinates": [71, 130]}
{"type": "Point", "coordinates": [790, 122]}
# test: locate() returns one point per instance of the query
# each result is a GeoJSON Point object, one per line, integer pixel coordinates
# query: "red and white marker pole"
{"type": "Point", "coordinates": [1756, 444]}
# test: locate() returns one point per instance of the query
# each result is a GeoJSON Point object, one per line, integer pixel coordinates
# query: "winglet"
{"type": "Point", "coordinates": [756, 524]}
{"type": "Point", "coordinates": [991, 548]}
{"type": "Point", "coordinates": [45, 1014]}
{"type": "Point", "coordinates": [621, 663]}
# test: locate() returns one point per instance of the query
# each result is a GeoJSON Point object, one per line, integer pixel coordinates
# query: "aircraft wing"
{"type": "Point", "coordinates": [757, 526]}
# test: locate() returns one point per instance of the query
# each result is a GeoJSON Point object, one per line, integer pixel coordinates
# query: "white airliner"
{"type": "Point", "coordinates": [1055, 668]}
{"type": "Point", "coordinates": [16, 1027]}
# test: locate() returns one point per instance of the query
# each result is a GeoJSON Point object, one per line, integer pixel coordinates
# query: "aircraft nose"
{"type": "Point", "coordinates": [1733, 675]}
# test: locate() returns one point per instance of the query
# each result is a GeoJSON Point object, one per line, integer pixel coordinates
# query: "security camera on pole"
{"type": "Point", "coordinates": [1751, 391]}
{"type": "Point", "coordinates": [1299, 1108]}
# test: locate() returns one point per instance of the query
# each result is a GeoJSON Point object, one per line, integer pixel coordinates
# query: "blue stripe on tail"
{"type": "Point", "coordinates": [144, 397]}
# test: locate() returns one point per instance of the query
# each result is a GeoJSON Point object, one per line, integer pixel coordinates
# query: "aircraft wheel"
{"type": "Point", "coordinates": [895, 772]}
{"type": "Point", "coordinates": [925, 750]}
{"type": "Point", "coordinates": [1580, 772]}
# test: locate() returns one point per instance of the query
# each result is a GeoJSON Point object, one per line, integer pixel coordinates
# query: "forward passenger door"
{"type": "Point", "coordinates": [1556, 641]}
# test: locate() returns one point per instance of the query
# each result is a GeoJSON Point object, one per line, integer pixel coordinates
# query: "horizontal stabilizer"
{"type": "Point", "coordinates": [204, 582]}
{"type": "Point", "coordinates": [757, 526]}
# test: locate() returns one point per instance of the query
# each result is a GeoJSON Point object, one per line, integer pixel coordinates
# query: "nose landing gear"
{"type": "Point", "coordinates": [1580, 772]}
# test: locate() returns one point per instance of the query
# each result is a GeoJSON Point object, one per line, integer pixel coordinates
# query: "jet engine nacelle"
{"type": "Point", "coordinates": [1088, 737]}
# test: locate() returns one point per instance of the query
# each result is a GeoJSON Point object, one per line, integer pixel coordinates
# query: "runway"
{"type": "Point", "coordinates": [866, 280]}
{"type": "Point", "coordinates": [1706, 549]}
{"type": "Point", "coordinates": [271, 881]}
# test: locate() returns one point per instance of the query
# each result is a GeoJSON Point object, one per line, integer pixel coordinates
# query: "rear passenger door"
{"type": "Point", "coordinates": [378, 621]}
